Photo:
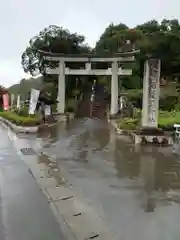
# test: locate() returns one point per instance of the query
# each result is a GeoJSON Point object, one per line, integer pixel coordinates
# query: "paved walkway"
{"type": "Point", "coordinates": [129, 191]}
{"type": "Point", "coordinates": [24, 210]}
{"type": "Point", "coordinates": [135, 190]}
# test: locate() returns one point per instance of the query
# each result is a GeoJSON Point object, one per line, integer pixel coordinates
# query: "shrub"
{"type": "Point", "coordinates": [24, 111]}
{"type": "Point", "coordinates": [20, 120]}
{"type": "Point", "coordinates": [135, 97]}
{"type": "Point", "coordinates": [168, 119]}
{"type": "Point", "coordinates": [128, 124]}
{"type": "Point", "coordinates": [168, 103]}
{"type": "Point", "coordinates": [137, 113]}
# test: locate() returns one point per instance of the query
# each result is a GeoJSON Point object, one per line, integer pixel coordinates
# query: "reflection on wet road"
{"type": "Point", "coordinates": [135, 189]}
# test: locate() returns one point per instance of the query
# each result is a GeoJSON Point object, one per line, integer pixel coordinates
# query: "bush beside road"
{"type": "Point", "coordinates": [166, 121]}
{"type": "Point", "coordinates": [20, 120]}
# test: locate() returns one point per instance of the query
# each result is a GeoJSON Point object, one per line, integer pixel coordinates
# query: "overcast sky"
{"type": "Point", "coordinates": [22, 19]}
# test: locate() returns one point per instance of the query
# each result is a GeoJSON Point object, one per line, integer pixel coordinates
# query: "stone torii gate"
{"type": "Point", "coordinates": [114, 71]}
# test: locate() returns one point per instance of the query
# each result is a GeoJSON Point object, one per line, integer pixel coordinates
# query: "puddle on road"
{"type": "Point", "coordinates": [129, 186]}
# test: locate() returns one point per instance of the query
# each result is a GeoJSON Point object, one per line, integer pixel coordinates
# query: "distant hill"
{"type": "Point", "coordinates": [25, 85]}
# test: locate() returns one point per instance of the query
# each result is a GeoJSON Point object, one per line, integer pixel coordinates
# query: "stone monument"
{"type": "Point", "coordinates": [149, 132]}
{"type": "Point", "coordinates": [151, 91]}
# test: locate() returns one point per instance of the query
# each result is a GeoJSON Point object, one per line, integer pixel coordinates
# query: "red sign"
{"type": "Point", "coordinates": [6, 101]}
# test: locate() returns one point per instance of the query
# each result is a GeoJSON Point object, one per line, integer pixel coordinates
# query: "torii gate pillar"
{"type": "Point", "coordinates": [114, 89]}
{"type": "Point", "coordinates": [61, 88]}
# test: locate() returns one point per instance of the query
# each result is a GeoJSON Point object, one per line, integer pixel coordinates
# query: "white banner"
{"type": "Point", "coordinates": [18, 102]}
{"type": "Point", "coordinates": [33, 100]}
{"type": "Point", "coordinates": [12, 99]}
{"type": "Point", "coordinates": [47, 110]}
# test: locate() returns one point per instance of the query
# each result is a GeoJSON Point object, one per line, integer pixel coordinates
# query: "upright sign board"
{"type": "Point", "coordinates": [18, 102]}
{"type": "Point", "coordinates": [33, 100]}
{"type": "Point", "coordinates": [151, 91]}
{"type": "Point", "coordinates": [12, 99]}
{"type": "Point", "coordinates": [6, 101]}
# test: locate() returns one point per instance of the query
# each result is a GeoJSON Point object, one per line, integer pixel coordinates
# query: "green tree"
{"type": "Point", "coordinates": [52, 39]}
{"type": "Point", "coordinates": [154, 39]}
{"type": "Point", "coordinates": [157, 40]}
{"type": "Point", "coordinates": [56, 40]}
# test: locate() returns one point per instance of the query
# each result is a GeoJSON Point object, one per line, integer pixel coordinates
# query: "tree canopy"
{"type": "Point", "coordinates": [25, 85]}
{"type": "Point", "coordinates": [52, 39]}
{"type": "Point", "coordinates": [154, 39]}
{"type": "Point", "coordinates": [3, 90]}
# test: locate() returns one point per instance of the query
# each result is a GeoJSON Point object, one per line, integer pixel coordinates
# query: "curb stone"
{"type": "Point", "coordinates": [62, 223]}
{"type": "Point", "coordinates": [33, 170]}
{"type": "Point", "coordinates": [36, 172]}
{"type": "Point", "coordinates": [23, 129]}
{"type": "Point", "coordinates": [76, 218]}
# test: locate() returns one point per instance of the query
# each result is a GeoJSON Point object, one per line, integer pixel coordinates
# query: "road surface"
{"type": "Point", "coordinates": [24, 210]}
{"type": "Point", "coordinates": [135, 190]}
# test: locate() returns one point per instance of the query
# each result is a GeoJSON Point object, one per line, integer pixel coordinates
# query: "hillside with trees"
{"type": "Point", "coordinates": [25, 85]}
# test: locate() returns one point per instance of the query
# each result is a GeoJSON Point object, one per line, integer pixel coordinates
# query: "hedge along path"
{"type": "Point", "coordinates": [166, 121]}
{"type": "Point", "coordinates": [21, 120]}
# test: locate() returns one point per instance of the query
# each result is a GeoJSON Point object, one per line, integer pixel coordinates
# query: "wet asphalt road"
{"type": "Point", "coordinates": [135, 190]}
{"type": "Point", "coordinates": [24, 210]}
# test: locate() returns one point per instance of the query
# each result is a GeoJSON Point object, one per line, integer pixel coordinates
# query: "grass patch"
{"type": "Point", "coordinates": [128, 124]}
{"type": "Point", "coordinates": [21, 120]}
{"type": "Point", "coordinates": [166, 120]}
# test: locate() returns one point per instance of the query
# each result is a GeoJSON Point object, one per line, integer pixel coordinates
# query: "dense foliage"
{"type": "Point", "coordinates": [25, 85]}
{"type": "Point", "coordinates": [166, 121]}
{"type": "Point", "coordinates": [20, 120]}
{"type": "Point", "coordinates": [3, 90]}
{"type": "Point", "coordinates": [160, 40]}
{"type": "Point", "coordinates": [153, 39]}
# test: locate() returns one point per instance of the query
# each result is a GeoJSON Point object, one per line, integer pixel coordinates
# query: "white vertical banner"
{"type": "Point", "coordinates": [47, 110]}
{"type": "Point", "coordinates": [33, 100]}
{"type": "Point", "coordinates": [12, 100]}
{"type": "Point", "coordinates": [121, 103]}
{"type": "Point", "coordinates": [18, 102]}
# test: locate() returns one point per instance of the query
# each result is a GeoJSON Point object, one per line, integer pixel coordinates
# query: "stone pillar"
{"type": "Point", "coordinates": [61, 88]}
{"type": "Point", "coordinates": [114, 89]}
{"type": "Point", "coordinates": [151, 91]}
